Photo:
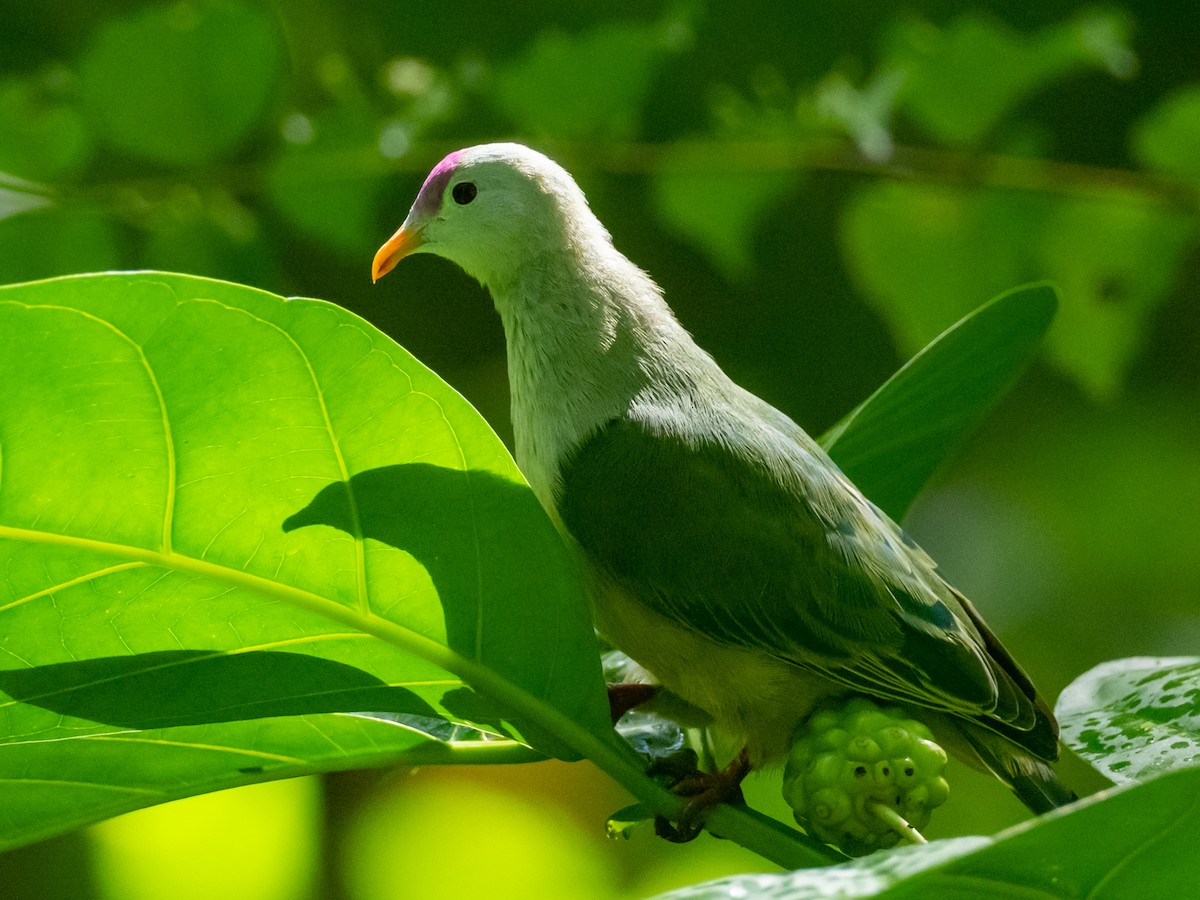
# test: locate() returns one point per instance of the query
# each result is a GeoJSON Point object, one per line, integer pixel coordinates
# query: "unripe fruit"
{"type": "Point", "coordinates": [852, 771]}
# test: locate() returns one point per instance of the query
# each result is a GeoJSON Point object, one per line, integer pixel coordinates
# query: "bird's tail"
{"type": "Point", "coordinates": [1033, 781]}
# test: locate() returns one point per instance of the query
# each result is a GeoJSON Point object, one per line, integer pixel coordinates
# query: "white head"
{"type": "Point", "coordinates": [493, 209]}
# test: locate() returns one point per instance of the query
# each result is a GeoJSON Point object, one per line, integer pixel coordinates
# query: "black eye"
{"type": "Point", "coordinates": [464, 192]}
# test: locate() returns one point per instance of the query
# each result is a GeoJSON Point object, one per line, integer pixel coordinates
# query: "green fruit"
{"type": "Point", "coordinates": [845, 763]}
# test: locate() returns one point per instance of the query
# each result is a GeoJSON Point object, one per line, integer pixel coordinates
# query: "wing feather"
{"type": "Point", "coordinates": [756, 540]}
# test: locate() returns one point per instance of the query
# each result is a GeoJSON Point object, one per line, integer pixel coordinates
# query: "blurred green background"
{"type": "Point", "coordinates": [820, 190]}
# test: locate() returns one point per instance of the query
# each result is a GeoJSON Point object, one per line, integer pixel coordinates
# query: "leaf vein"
{"type": "Point", "coordinates": [73, 582]}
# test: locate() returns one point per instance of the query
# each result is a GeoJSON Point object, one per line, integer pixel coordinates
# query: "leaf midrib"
{"type": "Point", "coordinates": [369, 623]}
{"type": "Point", "coordinates": [470, 671]}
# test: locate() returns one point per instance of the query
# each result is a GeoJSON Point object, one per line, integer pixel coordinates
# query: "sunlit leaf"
{"type": "Point", "coordinates": [1135, 718]}
{"type": "Point", "coordinates": [922, 253]}
{"type": "Point", "coordinates": [182, 84]}
{"type": "Point", "coordinates": [443, 837]}
{"type": "Point", "coordinates": [588, 85]}
{"type": "Point", "coordinates": [718, 211]}
{"type": "Point", "coordinates": [1166, 139]}
{"type": "Point", "coordinates": [891, 443]}
{"type": "Point", "coordinates": [267, 837]}
{"type": "Point", "coordinates": [992, 67]}
{"type": "Point", "coordinates": [1132, 842]}
{"type": "Point", "coordinates": [231, 527]}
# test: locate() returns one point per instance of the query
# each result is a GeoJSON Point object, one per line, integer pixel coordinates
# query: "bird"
{"type": "Point", "coordinates": [723, 549]}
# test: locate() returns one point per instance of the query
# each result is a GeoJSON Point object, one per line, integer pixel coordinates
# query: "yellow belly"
{"type": "Point", "coordinates": [753, 699]}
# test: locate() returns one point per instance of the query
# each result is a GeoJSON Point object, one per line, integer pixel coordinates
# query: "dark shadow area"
{"type": "Point", "coordinates": [195, 687]}
{"type": "Point", "coordinates": [419, 508]}
{"type": "Point", "coordinates": [470, 532]}
{"type": "Point", "coordinates": [53, 869]}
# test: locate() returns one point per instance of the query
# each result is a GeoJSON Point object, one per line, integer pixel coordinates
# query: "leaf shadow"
{"type": "Point", "coordinates": [197, 687]}
{"type": "Point", "coordinates": [418, 508]}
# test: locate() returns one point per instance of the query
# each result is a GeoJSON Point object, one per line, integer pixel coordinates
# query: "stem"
{"type": "Point", "coordinates": [770, 838]}
{"type": "Point", "coordinates": [907, 163]}
{"type": "Point", "coordinates": [761, 834]}
{"type": "Point", "coordinates": [895, 821]}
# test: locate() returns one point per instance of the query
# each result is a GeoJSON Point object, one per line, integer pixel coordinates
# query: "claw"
{"type": "Point", "coordinates": [704, 791]}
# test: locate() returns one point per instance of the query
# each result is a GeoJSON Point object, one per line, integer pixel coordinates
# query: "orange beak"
{"type": "Point", "coordinates": [398, 246]}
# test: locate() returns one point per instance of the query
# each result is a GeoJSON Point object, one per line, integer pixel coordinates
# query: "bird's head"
{"type": "Point", "coordinates": [491, 209]}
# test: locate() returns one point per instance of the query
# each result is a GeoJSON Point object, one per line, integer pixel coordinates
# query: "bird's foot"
{"type": "Point", "coordinates": [624, 697]}
{"type": "Point", "coordinates": [703, 790]}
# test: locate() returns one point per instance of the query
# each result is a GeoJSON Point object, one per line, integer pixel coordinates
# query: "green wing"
{"type": "Point", "coordinates": [752, 537]}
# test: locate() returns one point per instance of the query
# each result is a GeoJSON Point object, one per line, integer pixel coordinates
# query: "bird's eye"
{"type": "Point", "coordinates": [464, 192]}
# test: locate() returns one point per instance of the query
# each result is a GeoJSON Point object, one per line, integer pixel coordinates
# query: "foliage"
{"type": "Point", "coordinates": [820, 194]}
{"type": "Point", "coordinates": [894, 441]}
{"type": "Point", "coordinates": [240, 511]}
{"type": "Point", "coordinates": [1135, 718]}
{"type": "Point", "coordinates": [1132, 842]}
{"type": "Point", "coordinates": [247, 520]}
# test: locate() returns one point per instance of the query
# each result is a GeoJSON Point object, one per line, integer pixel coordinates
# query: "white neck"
{"type": "Point", "coordinates": [585, 337]}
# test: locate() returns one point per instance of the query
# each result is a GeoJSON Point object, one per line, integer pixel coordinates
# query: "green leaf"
{"type": "Point", "coordinates": [992, 68]}
{"type": "Point", "coordinates": [868, 877]}
{"type": "Point", "coordinates": [717, 212]}
{"type": "Point", "coordinates": [922, 252]}
{"type": "Point", "coordinates": [1135, 718]}
{"type": "Point", "coordinates": [1166, 139]}
{"type": "Point", "coordinates": [1137, 841]}
{"type": "Point", "coordinates": [1115, 256]}
{"type": "Point", "coordinates": [589, 85]}
{"type": "Point", "coordinates": [245, 538]}
{"type": "Point", "coordinates": [624, 821]}
{"type": "Point", "coordinates": [927, 254]}
{"type": "Point", "coordinates": [54, 240]}
{"type": "Point", "coordinates": [893, 442]}
{"type": "Point", "coordinates": [182, 84]}
{"type": "Point", "coordinates": [212, 235]}
{"type": "Point", "coordinates": [324, 185]}
{"type": "Point", "coordinates": [44, 137]}
{"type": "Point", "coordinates": [267, 838]}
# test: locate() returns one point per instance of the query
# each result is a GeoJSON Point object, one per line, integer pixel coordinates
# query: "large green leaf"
{"type": "Point", "coordinates": [1134, 718]}
{"type": "Point", "coordinates": [1133, 842]}
{"type": "Point", "coordinates": [891, 443]}
{"type": "Point", "coordinates": [183, 84]}
{"type": "Point", "coordinates": [229, 525]}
